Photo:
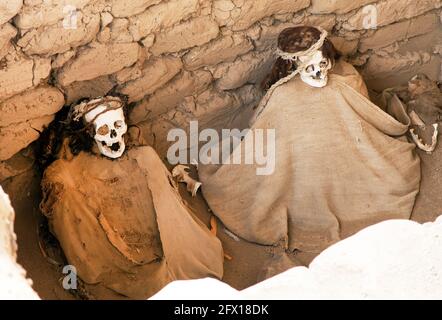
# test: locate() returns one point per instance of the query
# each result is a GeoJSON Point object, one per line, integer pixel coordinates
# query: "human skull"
{"type": "Point", "coordinates": [110, 127]}
{"type": "Point", "coordinates": [315, 69]}
{"type": "Point", "coordinates": [425, 111]}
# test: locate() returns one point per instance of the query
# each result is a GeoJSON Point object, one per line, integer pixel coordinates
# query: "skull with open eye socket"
{"type": "Point", "coordinates": [315, 69]}
{"type": "Point", "coordinates": [425, 111]}
{"type": "Point", "coordinates": [109, 128]}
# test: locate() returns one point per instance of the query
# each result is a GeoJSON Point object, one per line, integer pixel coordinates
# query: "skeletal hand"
{"type": "Point", "coordinates": [181, 172]}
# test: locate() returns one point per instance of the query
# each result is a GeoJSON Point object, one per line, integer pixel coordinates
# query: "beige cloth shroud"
{"type": "Point", "coordinates": [342, 164]}
{"type": "Point", "coordinates": [122, 223]}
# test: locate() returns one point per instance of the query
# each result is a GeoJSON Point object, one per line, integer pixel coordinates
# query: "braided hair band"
{"type": "Point", "coordinates": [80, 111]}
{"type": "Point", "coordinates": [290, 56]}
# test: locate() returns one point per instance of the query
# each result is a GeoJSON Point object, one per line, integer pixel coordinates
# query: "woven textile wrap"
{"type": "Point", "coordinates": [292, 57]}
{"type": "Point", "coordinates": [305, 53]}
{"type": "Point", "coordinates": [122, 223]}
{"type": "Point", "coordinates": [341, 164]}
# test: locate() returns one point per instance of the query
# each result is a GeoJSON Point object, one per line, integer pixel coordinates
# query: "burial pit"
{"type": "Point", "coordinates": [178, 61]}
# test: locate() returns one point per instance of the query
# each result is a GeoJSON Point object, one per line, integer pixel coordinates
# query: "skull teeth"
{"type": "Point", "coordinates": [423, 146]}
{"type": "Point", "coordinates": [114, 147]}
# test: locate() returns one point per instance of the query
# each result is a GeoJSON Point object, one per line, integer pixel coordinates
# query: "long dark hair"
{"type": "Point", "coordinates": [48, 147]}
{"type": "Point", "coordinates": [293, 40]}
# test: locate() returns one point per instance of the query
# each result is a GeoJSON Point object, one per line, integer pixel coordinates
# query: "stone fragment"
{"type": "Point", "coordinates": [47, 13]}
{"type": "Point", "coordinates": [88, 89]}
{"type": "Point", "coordinates": [344, 46]}
{"type": "Point", "coordinates": [98, 60]}
{"type": "Point", "coordinates": [168, 97]}
{"type": "Point", "coordinates": [156, 73]}
{"type": "Point", "coordinates": [269, 35]}
{"type": "Point", "coordinates": [148, 41]}
{"type": "Point", "coordinates": [8, 9]}
{"type": "Point", "coordinates": [106, 19]}
{"type": "Point", "coordinates": [50, 40]}
{"type": "Point", "coordinates": [224, 49]}
{"type": "Point", "coordinates": [247, 12]}
{"type": "Point", "coordinates": [337, 6]}
{"type": "Point", "coordinates": [189, 34]}
{"type": "Point", "coordinates": [389, 11]}
{"type": "Point", "coordinates": [21, 135]}
{"type": "Point", "coordinates": [18, 73]}
{"type": "Point", "coordinates": [424, 24]}
{"type": "Point", "coordinates": [400, 31]}
{"type": "Point", "coordinates": [128, 74]}
{"type": "Point", "coordinates": [161, 16]}
{"type": "Point", "coordinates": [325, 21]}
{"type": "Point", "coordinates": [14, 166]}
{"type": "Point", "coordinates": [127, 8]}
{"type": "Point", "coordinates": [31, 104]}
{"type": "Point", "coordinates": [385, 36]}
{"type": "Point", "coordinates": [62, 58]}
{"type": "Point", "coordinates": [250, 68]}
{"type": "Point", "coordinates": [379, 66]}
{"type": "Point", "coordinates": [119, 31]}
{"type": "Point", "coordinates": [7, 32]}
{"type": "Point", "coordinates": [42, 69]}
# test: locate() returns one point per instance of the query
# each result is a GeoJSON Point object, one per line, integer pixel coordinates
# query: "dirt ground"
{"type": "Point", "coordinates": [249, 264]}
{"type": "Point", "coordinates": [428, 204]}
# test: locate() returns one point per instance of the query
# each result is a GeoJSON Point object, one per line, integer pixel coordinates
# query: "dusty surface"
{"type": "Point", "coordinates": [57, 52]}
{"type": "Point", "coordinates": [169, 56]}
{"type": "Point", "coordinates": [250, 262]}
{"type": "Point", "coordinates": [346, 270]}
{"type": "Point", "coordinates": [127, 228]}
{"type": "Point", "coordinates": [15, 284]}
{"type": "Point", "coordinates": [304, 200]}
{"type": "Point", "coordinates": [27, 221]}
{"type": "Point", "coordinates": [429, 202]}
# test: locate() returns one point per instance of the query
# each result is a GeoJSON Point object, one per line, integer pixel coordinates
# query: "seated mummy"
{"type": "Point", "coordinates": [341, 163]}
{"type": "Point", "coordinates": [118, 215]}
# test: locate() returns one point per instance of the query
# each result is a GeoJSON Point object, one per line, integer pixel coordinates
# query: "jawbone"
{"type": "Point", "coordinates": [316, 83]}
{"type": "Point", "coordinates": [423, 146]}
{"type": "Point", "coordinates": [112, 151]}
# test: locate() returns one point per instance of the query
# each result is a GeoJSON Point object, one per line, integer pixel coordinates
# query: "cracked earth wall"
{"type": "Point", "coordinates": [181, 60]}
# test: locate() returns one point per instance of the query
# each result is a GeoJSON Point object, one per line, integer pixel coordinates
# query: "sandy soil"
{"type": "Point", "coordinates": [429, 201]}
{"type": "Point", "coordinates": [44, 274]}
{"type": "Point", "coordinates": [250, 262]}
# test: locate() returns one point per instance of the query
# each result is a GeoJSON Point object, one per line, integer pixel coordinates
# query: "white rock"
{"type": "Point", "coordinates": [202, 289]}
{"type": "Point", "coordinates": [8, 9]}
{"type": "Point", "coordinates": [395, 259]}
{"type": "Point", "coordinates": [14, 285]}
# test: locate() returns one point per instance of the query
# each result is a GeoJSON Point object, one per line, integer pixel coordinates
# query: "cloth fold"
{"type": "Point", "coordinates": [342, 164]}
{"type": "Point", "coordinates": [122, 223]}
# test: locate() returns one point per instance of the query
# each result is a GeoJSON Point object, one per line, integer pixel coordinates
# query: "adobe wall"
{"type": "Point", "coordinates": [179, 60]}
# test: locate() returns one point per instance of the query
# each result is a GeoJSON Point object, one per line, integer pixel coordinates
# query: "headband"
{"type": "Point", "coordinates": [309, 52]}
{"type": "Point", "coordinates": [289, 56]}
{"type": "Point", "coordinates": [81, 110]}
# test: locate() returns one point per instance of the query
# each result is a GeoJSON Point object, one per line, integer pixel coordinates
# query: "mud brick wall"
{"type": "Point", "coordinates": [179, 60]}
